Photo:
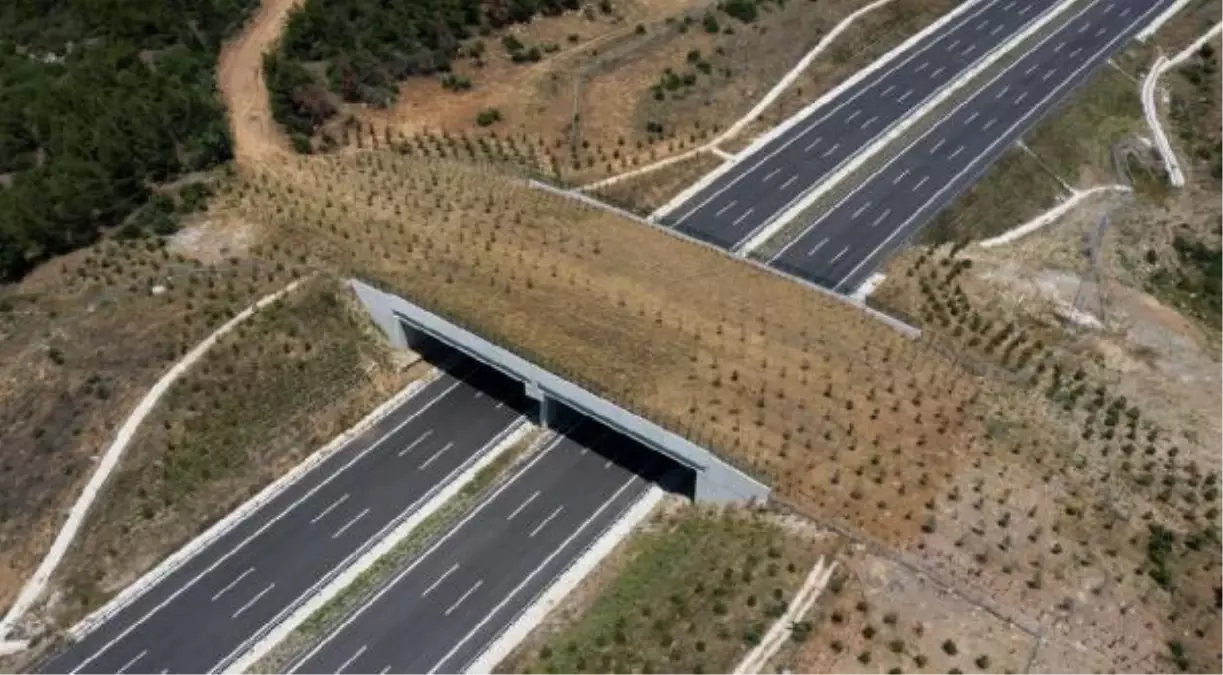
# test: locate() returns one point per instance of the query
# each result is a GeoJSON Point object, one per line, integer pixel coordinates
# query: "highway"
{"type": "Point", "coordinates": [781, 172]}
{"type": "Point", "coordinates": [204, 614]}
{"type": "Point", "coordinates": [843, 246]}
{"type": "Point", "coordinates": [442, 611]}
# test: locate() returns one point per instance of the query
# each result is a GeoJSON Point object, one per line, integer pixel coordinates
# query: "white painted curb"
{"type": "Point", "coordinates": [1146, 33]}
{"type": "Point", "coordinates": [1048, 216]}
{"type": "Point", "coordinates": [1151, 111]}
{"type": "Point", "coordinates": [821, 101]}
{"type": "Point", "coordinates": [34, 587]}
{"type": "Point", "coordinates": [803, 202]}
{"type": "Point", "coordinates": [803, 601]}
{"type": "Point", "coordinates": [535, 613]}
{"type": "Point", "coordinates": [260, 649]}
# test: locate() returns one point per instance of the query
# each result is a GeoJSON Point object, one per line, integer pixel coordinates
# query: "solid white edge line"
{"type": "Point", "coordinates": [263, 528]}
{"type": "Point", "coordinates": [879, 63]}
{"type": "Point", "coordinates": [989, 148]}
{"type": "Point", "coordinates": [813, 123]}
{"type": "Point", "coordinates": [280, 627]}
{"type": "Point", "coordinates": [318, 601]}
{"type": "Point", "coordinates": [526, 580]}
{"type": "Point", "coordinates": [776, 223]}
{"type": "Point", "coordinates": [36, 585]}
{"type": "Point", "coordinates": [802, 206]}
{"type": "Point", "coordinates": [223, 526]}
{"type": "Point", "coordinates": [537, 611]}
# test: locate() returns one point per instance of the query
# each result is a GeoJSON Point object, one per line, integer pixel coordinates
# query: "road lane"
{"type": "Point", "coordinates": [889, 207]}
{"type": "Point", "coordinates": [778, 174]}
{"type": "Point", "coordinates": [201, 615]}
{"type": "Point", "coordinates": [442, 611]}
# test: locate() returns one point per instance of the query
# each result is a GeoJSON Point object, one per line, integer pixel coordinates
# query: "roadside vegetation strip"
{"type": "Point", "coordinates": [1049, 216]}
{"type": "Point", "coordinates": [382, 565]}
{"type": "Point", "coordinates": [788, 625]}
{"type": "Point", "coordinates": [35, 586]}
{"type": "Point", "coordinates": [752, 115]}
{"type": "Point", "coordinates": [699, 589]}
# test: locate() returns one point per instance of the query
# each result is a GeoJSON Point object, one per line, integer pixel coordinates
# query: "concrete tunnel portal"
{"type": "Point", "coordinates": [560, 402]}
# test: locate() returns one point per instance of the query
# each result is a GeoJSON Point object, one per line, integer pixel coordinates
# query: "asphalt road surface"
{"type": "Point", "coordinates": [441, 612]}
{"type": "Point", "coordinates": [204, 614]}
{"type": "Point", "coordinates": [845, 244]}
{"type": "Point", "coordinates": [781, 172]}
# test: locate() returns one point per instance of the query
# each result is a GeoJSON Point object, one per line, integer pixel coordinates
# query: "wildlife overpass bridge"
{"type": "Point", "coordinates": [406, 324]}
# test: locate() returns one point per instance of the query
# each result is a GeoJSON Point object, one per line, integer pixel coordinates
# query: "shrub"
{"type": "Point", "coordinates": [711, 23]}
{"type": "Point", "coordinates": [949, 648]}
{"type": "Point", "coordinates": [488, 116]}
{"type": "Point", "coordinates": [743, 10]}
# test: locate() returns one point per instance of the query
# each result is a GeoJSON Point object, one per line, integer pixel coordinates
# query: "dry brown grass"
{"type": "Point", "coordinates": [600, 105]}
{"type": "Point", "coordinates": [284, 383]}
{"type": "Point", "coordinates": [649, 191]}
{"type": "Point", "coordinates": [1188, 24]}
{"type": "Point", "coordinates": [722, 352]}
{"type": "Point", "coordinates": [81, 339]}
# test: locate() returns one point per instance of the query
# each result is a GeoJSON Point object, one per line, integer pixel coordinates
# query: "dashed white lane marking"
{"type": "Point", "coordinates": [838, 256]}
{"type": "Point", "coordinates": [1108, 8]}
{"type": "Point", "coordinates": [545, 522]}
{"type": "Point", "coordinates": [252, 601]}
{"type": "Point", "coordinates": [1019, 99]}
{"type": "Point", "coordinates": [522, 506]}
{"type": "Point", "coordinates": [920, 183]}
{"type": "Point", "coordinates": [983, 25]}
{"type": "Point", "coordinates": [131, 663]}
{"type": "Point", "coordinates": [331, 507]}
{"type": "Point", "coordinates": [415, 443]}
{"type": "Point", "coordinates": [953, 45]}
{"type": "Point", "coordinates": [859, 211]}
{"type": "Point", "coordinates": [463, 597]}
{"type": "Point", "coordinates": [968, 50]}
{"type": "Point", "coordinates": [853, 115]}
{"type": "Point", "coordinates": [1126, 11]}
{"type": "Point", "coordinates": [769, 175]}
{"type": "Point", "coordinates": [938, 145]}
{"type": "Point", "coordinates": [887, 91]}
{"type": "Point", "coordinates": [479, 394]}
{"type": "Point", "coordinates": [230, 585]}
{"type": "Point", "coordinates": [817, 247]}
{"type": "Point", "coordinates": [385, 669]}
{"type": "Point", "coordinates": [937, 72]}
{"type": "Point", "coordinates": [439, 580]}
{"type": "Point", "coordinates": [350, 523]}
{"type": "Point", "coordinates": [831, 149]}
{"type": "Point", "coordinates": [922, 66]}
{"type": "Point", "coordinates": [1084, 26]}
{"type": "Point", "coordinates": [1025, 10]}
{"type": "Point", "coordinates": [740, 218]}
{"type": "Point", "coordinates": [1002, 92]}
{"type": "Point", "coordinates": [997, 29]}
{"type": "Point", "coordinates": [1031, 69]}
{"type": "Point", "coordinates": [1102, 31]}
{"type": "Point", "coordinates": [439, 453]}
{"type": "Point", "coordinates": [1075, 52]}
{"type": "Point", "coordinates": [991, 122]}
{"type": "Point", "coordinates": [352, 658]}
{"type": "Point", "coordinates": [879, 218]}
{"type": "Point", "coordinates": [1048, 74]}
{"type": "Point", "coordinates": [789, 182]}
{"type": "Point", "coordinates": [1057, 48]}
{"type": "Point", "coordinates": [1008, 6]}
{"type": "Point", "coordinates": [872, 120]}
{"type": "Point", "coordinates": [904, 96]}
{"type": "Point", "coordinates": [971, 118]}
{"type": "Point", "coordinates": [726, 208]}
{"type": "Point", "coordinates": [899, 177]}
{"type": "Point", "coordinates": [607, 464]}
{"type": "Point", "coordinates": [500, 405]}
{"type": "Point", "coordinates": [812, 144]}
{"type": "Point", "coordinates": [957, 151]}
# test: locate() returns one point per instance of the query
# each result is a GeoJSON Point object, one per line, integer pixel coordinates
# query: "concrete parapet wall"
{"type": "Point", "coordinates": [716, 480]}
